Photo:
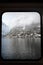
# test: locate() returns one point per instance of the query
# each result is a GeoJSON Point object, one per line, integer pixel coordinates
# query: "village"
{"type": "Point", "coordinates": [24, 35]}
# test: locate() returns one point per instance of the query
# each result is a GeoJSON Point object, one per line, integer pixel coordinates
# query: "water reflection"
{"type": "Point", "coordinates": [21, 48]}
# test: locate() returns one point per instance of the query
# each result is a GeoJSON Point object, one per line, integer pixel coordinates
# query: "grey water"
{"type": "Point", "coordinates": [21, 48]}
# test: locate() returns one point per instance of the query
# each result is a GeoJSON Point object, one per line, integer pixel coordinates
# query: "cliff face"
{"type": "Point", "coordinates": [5, 29]}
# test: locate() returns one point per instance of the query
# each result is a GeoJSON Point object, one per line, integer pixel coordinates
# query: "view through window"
{"type": "Point", "coordinates": [21, 35]}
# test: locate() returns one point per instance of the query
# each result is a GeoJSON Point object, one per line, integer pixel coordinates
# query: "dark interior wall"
{"type": "Point", "coordinates": [23, 7]}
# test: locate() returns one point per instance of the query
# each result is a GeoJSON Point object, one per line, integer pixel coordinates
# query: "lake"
{"type": "Point", "coordinates": [21, 48]}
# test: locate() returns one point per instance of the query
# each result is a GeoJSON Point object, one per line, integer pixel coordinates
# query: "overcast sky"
{"type": "Point", "coordinates": [13, 19]}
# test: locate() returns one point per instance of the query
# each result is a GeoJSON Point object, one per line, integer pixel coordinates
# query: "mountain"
{"type": "Point", "coordinates": [34, 27]}
{"type": "Point", "coordinates": [5, 29]}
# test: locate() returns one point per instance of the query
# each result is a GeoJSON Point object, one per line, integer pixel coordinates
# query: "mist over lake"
{"type": "Point", "coordinates": [21, 39]}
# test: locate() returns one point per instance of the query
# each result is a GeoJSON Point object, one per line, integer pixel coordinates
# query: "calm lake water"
{"type": "Point", "coordinates": [21, 48]}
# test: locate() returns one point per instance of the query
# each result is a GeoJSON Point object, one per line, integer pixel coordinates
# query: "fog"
{"type": "Point", "coordinates": [23, 41]}
{"type": "Point", "coordinates": [13, 19]}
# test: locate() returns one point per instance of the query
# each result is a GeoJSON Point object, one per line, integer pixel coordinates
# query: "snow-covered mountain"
{"type": "Point", "coordinates": [5, 29]}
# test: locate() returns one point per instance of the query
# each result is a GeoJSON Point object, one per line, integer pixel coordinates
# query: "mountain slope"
{"type": "Point", "coordinates": [5, 29]}
{"type": "Point", "coordinates": [33, 28]}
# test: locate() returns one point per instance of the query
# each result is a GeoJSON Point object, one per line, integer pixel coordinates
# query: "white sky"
{"type": "Point", "coordinates": [13, 19]}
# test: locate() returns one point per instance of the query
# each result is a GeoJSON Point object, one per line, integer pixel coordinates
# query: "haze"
{"type": "Point", "coordinates": [13, 19]}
